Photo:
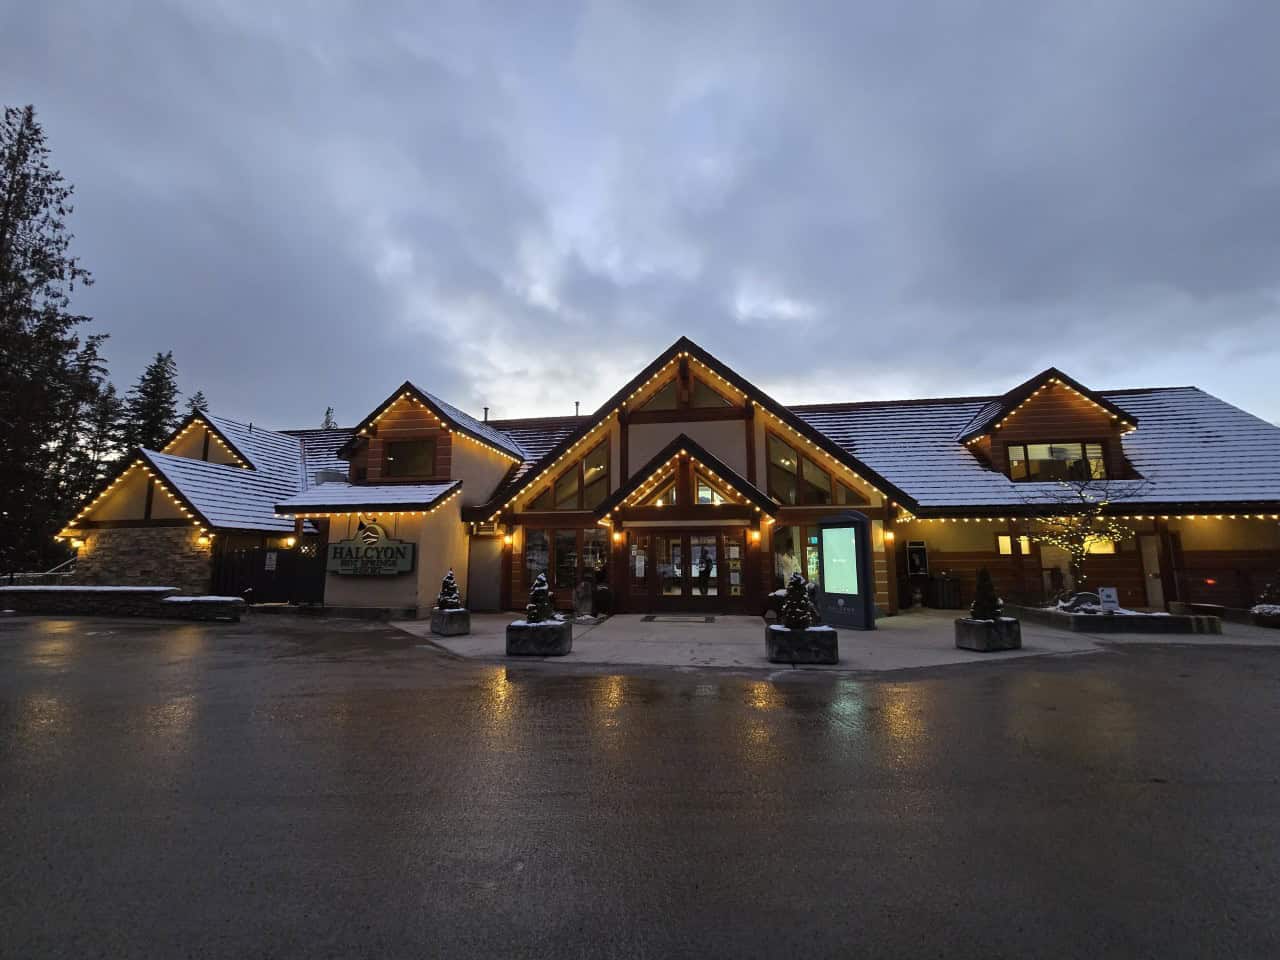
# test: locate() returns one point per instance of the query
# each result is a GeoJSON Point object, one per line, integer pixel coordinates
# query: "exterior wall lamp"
{"type": "Point", "coordinates": [204, 539]}
{"type": "Point", "coordinates": [76, 543]}
{"type": "Point", "coordinates": [506, 539]}
{"type": "Point", "coordinates": [290, 542]}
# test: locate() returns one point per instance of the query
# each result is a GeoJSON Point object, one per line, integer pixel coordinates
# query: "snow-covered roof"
{"type": "Point", "coordinates": [320, 451]}
{"type": "Point", "coordinates": [349, 497]}
{"type": "Point", "coordinates": [538, 435]}
{"type": "Point", "coordinates": [231, 497]}
{"type": "Point", "coordinates": [470, 424]}
{"type": "Point", "coordinates": [267, 451]}
{"type": "Point", "coordinates": [1189, 446]}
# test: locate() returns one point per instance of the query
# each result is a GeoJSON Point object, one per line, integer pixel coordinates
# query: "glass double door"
{"type": "Point", "coordinates": [699, 570]}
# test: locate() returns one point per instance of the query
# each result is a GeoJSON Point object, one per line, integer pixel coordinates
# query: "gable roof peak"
{"type": "Point", "coordinates": [994, 413]}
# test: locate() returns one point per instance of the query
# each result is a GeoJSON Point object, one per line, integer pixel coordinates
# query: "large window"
{"type": "Point", "coordinates": [704, 396]}
{"type": "Point", "coordinates": [410, 458]}
{"type": "Point", "coordinates": [667, 398]}
{"type": "Point", "coordinates": [795, 550]}
{"type": "Point", "coordinates": [795, 479]}
{"type": "Point", "coordinates": [1056, 461]}
{"type": "Point", "coordinates": [583, 486]}
{"type": "Point", "coordinates": [537, 556]}
{"type": "Point", "coordinates": [784, 464]}
{"type": "Point", "coordinates": [567, 557]}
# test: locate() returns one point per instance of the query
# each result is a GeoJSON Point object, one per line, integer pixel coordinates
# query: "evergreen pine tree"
{"type": "Point", "coordinates": [539, 607]}
{"type": "Point", "coordinates": [449, 598]}
{"type": "Point", "coordinates": [328, 423]}
{"type": "Point", "coordinates": [49, 376]}
{"type": "Point", "coordinates": [797, 612]}
{"type": "Point", "coordinates": [197, 403]}
{"type": "Point", "coordinates": [986, 604]}
{"type": "Point", "coordinates": [151, 408]}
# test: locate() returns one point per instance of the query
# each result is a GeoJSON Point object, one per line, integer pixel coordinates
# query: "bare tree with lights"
{"type": "Point", "coordinates": [1073, 514]}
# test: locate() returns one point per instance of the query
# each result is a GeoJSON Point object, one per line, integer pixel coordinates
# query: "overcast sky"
{"type": "Point", "coordinates": [521, 204]}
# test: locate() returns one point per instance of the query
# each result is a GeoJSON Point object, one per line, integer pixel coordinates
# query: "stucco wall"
{"type": "Point", "coordinates": [191, 445]}
{"type": "Point", "coordinates": [727, 439]}
{"type": "Point", "coordinates": [479, 469]}
{"type": "Point", "coordinates": [400, 591]}
{"type": "Point", "coordinates": [442, 546]}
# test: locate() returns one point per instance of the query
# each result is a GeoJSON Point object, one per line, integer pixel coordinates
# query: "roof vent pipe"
{"type": "Point", "coordinates": [575, 408]}
{"type": "Point", "coordinates": [486, 414]}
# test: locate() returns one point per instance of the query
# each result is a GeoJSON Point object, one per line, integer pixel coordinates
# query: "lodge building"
{"type": "Point", "coordinates": [691, 489]}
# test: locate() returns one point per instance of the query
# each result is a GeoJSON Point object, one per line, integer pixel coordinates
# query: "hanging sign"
{"type": "Point", "coordinates": [370, 553]}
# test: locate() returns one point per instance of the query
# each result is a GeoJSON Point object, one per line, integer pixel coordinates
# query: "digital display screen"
{"type": "Point", "coordinates": [840, 560]}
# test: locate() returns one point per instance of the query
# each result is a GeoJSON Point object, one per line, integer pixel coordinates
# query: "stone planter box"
{"type": "Point", "coordinates": [1265, 620]}
{"type": "Point", "coordinates": [1118, 623]}
{"type": "Point", "coordinates": [549, 638]}
{"type": "Point", "coordinates": [988, 635]}
{"type": "Point", "coordinates": [450, 623]}
{"type": "Point", "coordinates": [811, 645]}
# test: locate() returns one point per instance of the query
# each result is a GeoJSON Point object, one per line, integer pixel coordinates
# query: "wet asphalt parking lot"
{"type": "Point", "coordinates": [325, 789]}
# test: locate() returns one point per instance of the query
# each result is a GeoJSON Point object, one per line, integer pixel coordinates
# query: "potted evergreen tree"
{"type": "Point", "coordinates": [800, 637]}
{"type": "Point", "coordinates": [541, 633]}
{"type": "Point", "coordinates": [448, 617]}
{"type": "Point", "coordinates": [985, 629]}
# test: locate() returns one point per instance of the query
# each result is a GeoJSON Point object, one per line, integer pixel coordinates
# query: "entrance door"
{"type": "Point", "coordinates": [697, 570]}
{"type": "Point", "coordinates": [1150, 548]}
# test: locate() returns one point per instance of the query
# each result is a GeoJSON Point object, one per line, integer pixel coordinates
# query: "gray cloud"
{"type": "Point", "coordinates": [521, 204]}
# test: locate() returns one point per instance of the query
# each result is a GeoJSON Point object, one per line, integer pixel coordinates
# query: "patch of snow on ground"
{"type": "Point", "coordinates": [203, 600]}
{"type": "Point", "coordinates": [1267, 609]}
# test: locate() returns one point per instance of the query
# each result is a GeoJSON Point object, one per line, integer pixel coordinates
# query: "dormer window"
{"type": "Point", "coordinates": [410, 458]}
{"type": "Point", "coordinates": [1071, 460]}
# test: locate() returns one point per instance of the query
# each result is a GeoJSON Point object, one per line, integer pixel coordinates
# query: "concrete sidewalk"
{"type": "Point", "coordinates": [920, 638]}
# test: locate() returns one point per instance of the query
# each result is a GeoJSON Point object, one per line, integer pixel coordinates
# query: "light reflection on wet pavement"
{"type": "Point", "coordinates": [299, 788]}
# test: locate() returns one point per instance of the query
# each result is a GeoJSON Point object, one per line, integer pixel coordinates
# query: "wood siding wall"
{"type": "Point", "coordinates": [1057, 414]}
{"type": "Point", "coordinates": [404, 421]}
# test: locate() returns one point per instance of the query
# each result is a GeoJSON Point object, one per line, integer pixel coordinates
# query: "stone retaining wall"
{"type": "Point", "coordinates": [119, 602]}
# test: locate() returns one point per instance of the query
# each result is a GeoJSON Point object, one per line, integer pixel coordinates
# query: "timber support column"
{"type": "Point", "coordinates": [891, 559]}
{"type": "Point", "coordinates": [1169, 579]}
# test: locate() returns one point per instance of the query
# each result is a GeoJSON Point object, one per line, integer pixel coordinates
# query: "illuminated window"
{"type": "Point", "coordinates": [1099, 545]}
{"type": "Point", "coordinates": [707, 493]}
{"type": "Point", "coordinates": [847, 495]}
{"type": "Point", "coordinates": [1005, 542]}
{"type": "Point", "coordinates": [665, 496]}
{"type": "Point", "coordinates": [1056, 461]}
{"type": "Point", "coordinates": [815, 486]}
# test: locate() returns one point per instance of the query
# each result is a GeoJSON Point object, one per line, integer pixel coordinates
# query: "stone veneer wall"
{"type": "Point", "coordinates": [146, 556]}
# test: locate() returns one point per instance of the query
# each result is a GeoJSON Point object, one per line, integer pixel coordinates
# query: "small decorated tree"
{"type": "Point", "coordinates": [986, 605]}
{"type": "Point", "coordinates": [449, 598]}
{"type": "Point", "coordinates": [797, 612]}
{"type": "Point", "coordinates": [539, 608]}
{"type": "Point", "coordinates": [1270, 596]}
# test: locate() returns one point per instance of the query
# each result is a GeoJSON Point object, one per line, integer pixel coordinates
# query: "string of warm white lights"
{"type": "Point", "coordinates": [211, 430]}
{"type": "Point", "coordinates": [1054, 381]}
{"type": "Point", "coordinates": [1149, 516]}
{"type": "Point", "coordinates": [440, 422]}
{"type": "Point", "coordinates": [371, 509]}
{"type": "Point", "coordinates": [179, 503]}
